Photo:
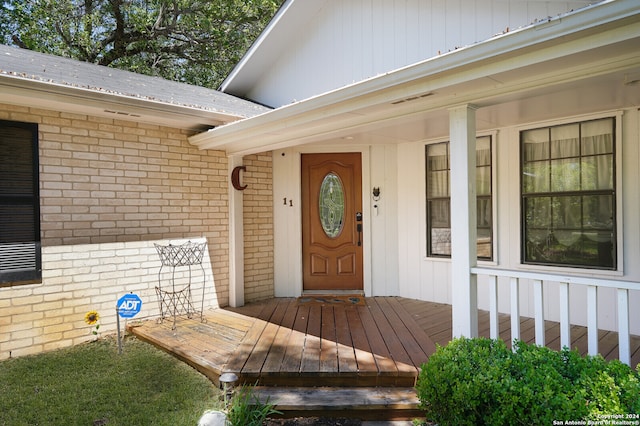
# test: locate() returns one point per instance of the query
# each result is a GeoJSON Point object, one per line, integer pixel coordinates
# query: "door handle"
{"type": "Point", "coordinates": [359, 227]}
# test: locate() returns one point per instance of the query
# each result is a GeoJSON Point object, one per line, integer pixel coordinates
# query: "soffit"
{"type": "Point", "coordinates": [34, 79]}
{"type": "Point", "coordinates": [579, 71]}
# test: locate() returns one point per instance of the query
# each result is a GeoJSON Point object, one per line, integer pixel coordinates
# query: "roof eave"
{"type": "Point", "coordinates": [597, 25]}
{"type": "Point", "coordinates": [32, 93]}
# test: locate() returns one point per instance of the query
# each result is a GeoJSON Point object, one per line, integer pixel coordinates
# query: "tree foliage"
{"type": "Point", "coordinates": [192, 41]}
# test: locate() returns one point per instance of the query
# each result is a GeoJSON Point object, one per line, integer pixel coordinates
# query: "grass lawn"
{"type": "Point", "coordinates": [91, 384]}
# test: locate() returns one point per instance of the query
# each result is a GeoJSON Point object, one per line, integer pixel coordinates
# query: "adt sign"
{"type": "Point", "coordinates": [129, 305]}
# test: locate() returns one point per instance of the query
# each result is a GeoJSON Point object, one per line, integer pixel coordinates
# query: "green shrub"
{"type": "Point", "coordinates": [247, 410]}
{"type": "Point", "coordinates": [482, 382]}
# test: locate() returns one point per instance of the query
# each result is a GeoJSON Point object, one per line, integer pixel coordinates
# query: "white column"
{"type": "Point", "coordinates": [462, 145]}
{"type": "Point", "coordinates": [236, 240]}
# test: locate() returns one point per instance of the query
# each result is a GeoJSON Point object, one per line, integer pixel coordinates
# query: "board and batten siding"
{"type": "Point", "coordinates": [429, 279]}
{"type": "Point", "coordinates": [352, 40]}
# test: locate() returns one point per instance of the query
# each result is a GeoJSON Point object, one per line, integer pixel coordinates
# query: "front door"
{"type": "Point", "coordinates": [332, 221]}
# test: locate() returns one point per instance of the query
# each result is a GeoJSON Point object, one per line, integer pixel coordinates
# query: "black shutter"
{"type": "Point", "coordinates": [20, 258]}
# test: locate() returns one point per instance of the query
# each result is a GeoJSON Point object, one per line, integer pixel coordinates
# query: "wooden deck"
{"type": "Point", "coordinates": [287, 342]}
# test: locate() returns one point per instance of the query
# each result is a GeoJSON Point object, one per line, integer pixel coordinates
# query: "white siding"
{"type": "Point", "coordinates": [383, 224]}
{"type": "Point", "coordinates": [429, 279]}
{"type": "Point", "coordinates": [351, 40]}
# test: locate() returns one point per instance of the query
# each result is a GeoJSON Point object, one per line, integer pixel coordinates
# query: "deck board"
{"type": "Point", "coordinates": [382, 356]}
{"type": "Point", "coordinates": [380, 343]}
{"type": "Point", "coordinates": [364, 357]}
{"type": "Point", "coordinates": [328, 344]}
{"type": "Point", "coordinates": [394, 336]}
{"type": "Point", "coordinates": [347, 358]}
{"type": "Point", "coordinates": [276, 354]}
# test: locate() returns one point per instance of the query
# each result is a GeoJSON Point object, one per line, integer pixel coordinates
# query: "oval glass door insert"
{"type": "Point", "coordinates": [331, 205]}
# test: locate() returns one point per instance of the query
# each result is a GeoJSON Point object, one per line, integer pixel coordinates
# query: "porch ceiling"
{"type": "Point", "coordinates": [576, 65]}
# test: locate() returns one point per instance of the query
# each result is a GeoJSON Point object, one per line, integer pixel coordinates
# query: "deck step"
{"type": "Point", "coordinates": [364, 403]}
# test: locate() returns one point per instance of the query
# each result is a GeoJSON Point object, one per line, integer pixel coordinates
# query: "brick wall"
{"type": "Point", "coordinates": [109, 190]}
{"type": "Point", "coordinates": [258, 227]}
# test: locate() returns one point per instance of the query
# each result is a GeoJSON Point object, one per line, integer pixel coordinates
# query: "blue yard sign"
{"type": "Point", "coordinates": [129, 305]}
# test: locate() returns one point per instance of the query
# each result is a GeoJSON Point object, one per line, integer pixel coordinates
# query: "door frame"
{"type": "Point", "coordinates": [287, 175]}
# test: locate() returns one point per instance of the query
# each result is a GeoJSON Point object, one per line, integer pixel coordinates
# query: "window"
{"type": "Point", "coordinates": [568, 195]}
{"type": "Point", "coordinates": [20, 258]}
{"type": "Point", "coordinates": [439, 199]}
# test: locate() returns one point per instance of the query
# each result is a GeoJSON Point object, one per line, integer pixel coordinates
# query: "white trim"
{"type": "Point", "coordinates": [538, 296]}
{"type": "Point", "coordinates": [562, 278]}
{"type": "Point", "coordinates": [236, 239]}
{"type": "Point", "coordinates": [307, 121]}
{"type": "Point", "coordinates": [287, 20]}
{"type": "Point", "coordinates": [592, 319]}
{"type": "Point", "coordinates": [566, 283]}
{"type": "Point", "coordinates": [624, 346]}
{"type": "Point", "coordinates": [514, 289]}
{"type": "Point", "coordinates": [294, 237]}
{"type": "Point", "coordinates": [565, 316]}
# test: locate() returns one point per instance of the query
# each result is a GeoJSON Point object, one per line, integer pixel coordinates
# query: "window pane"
{"type": "Point", "coordinates": [567, 212]}
{"type": "Point", "coordinates": [597, 137]}
{"type": "Point", "coordinates": [537, 213]}
{"type": "Point", "coordinates": [440, 213]}
{"type": "Point", "coordinates": [438, 184]}
{"type": "Point", "coordinates": [484, 246]}
{"type": "Point", "coordinates": [438, 156]}
{"type": "Point", "coordinates": [598, 212]}
{"type": "Point", "coordinates": [597, 172]}
{"type": "Point", "coordinates": [537, 246]}
{"type": "Point", "coordinates": [483, 151]}
{"type": "Point", "coordinates": [536, 144]}
{"type": "Point", "coordinates": [565, 141]}
{"type": "Point", "coordinates": [536, 177]}
{"type": "Point", "coordinates": [17, 223]}
{"type": "Point", "coordinates": [16, 161]}
{"type": "Point", "coordinates": [483, 180]}
{"type": "Point", "coordinates": [565, 175]}
{"type": "Point", "coordinates": [331, 205]}
{"type": "Point", "coordinates": [483, 207]}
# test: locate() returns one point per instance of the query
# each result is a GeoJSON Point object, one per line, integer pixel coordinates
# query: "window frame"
{"type": "Point", "coordinates": [27, 275]}
{"type": "Point", "coordinates": [615, 193]}
{"type": "Point", "coordinates": [491, 197]}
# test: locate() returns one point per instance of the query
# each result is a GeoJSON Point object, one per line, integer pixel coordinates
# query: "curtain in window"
{"type": "Point", "coordinates": [438, 168]}
{"type": "Point", "coordinates": [536, 156]}
{"type": "Point", "coordinates": [568, 189]}
{"type": "Point", "coordinates": [439, 201]}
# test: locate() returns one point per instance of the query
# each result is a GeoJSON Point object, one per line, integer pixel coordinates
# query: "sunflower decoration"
{"type": "Point", "coordinates": [92, 318]}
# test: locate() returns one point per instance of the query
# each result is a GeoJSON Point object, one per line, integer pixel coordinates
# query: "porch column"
{"type": "Point", "coordinates": [462, 130]}
{"type": "Point", "coordinates": [236, 240]}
